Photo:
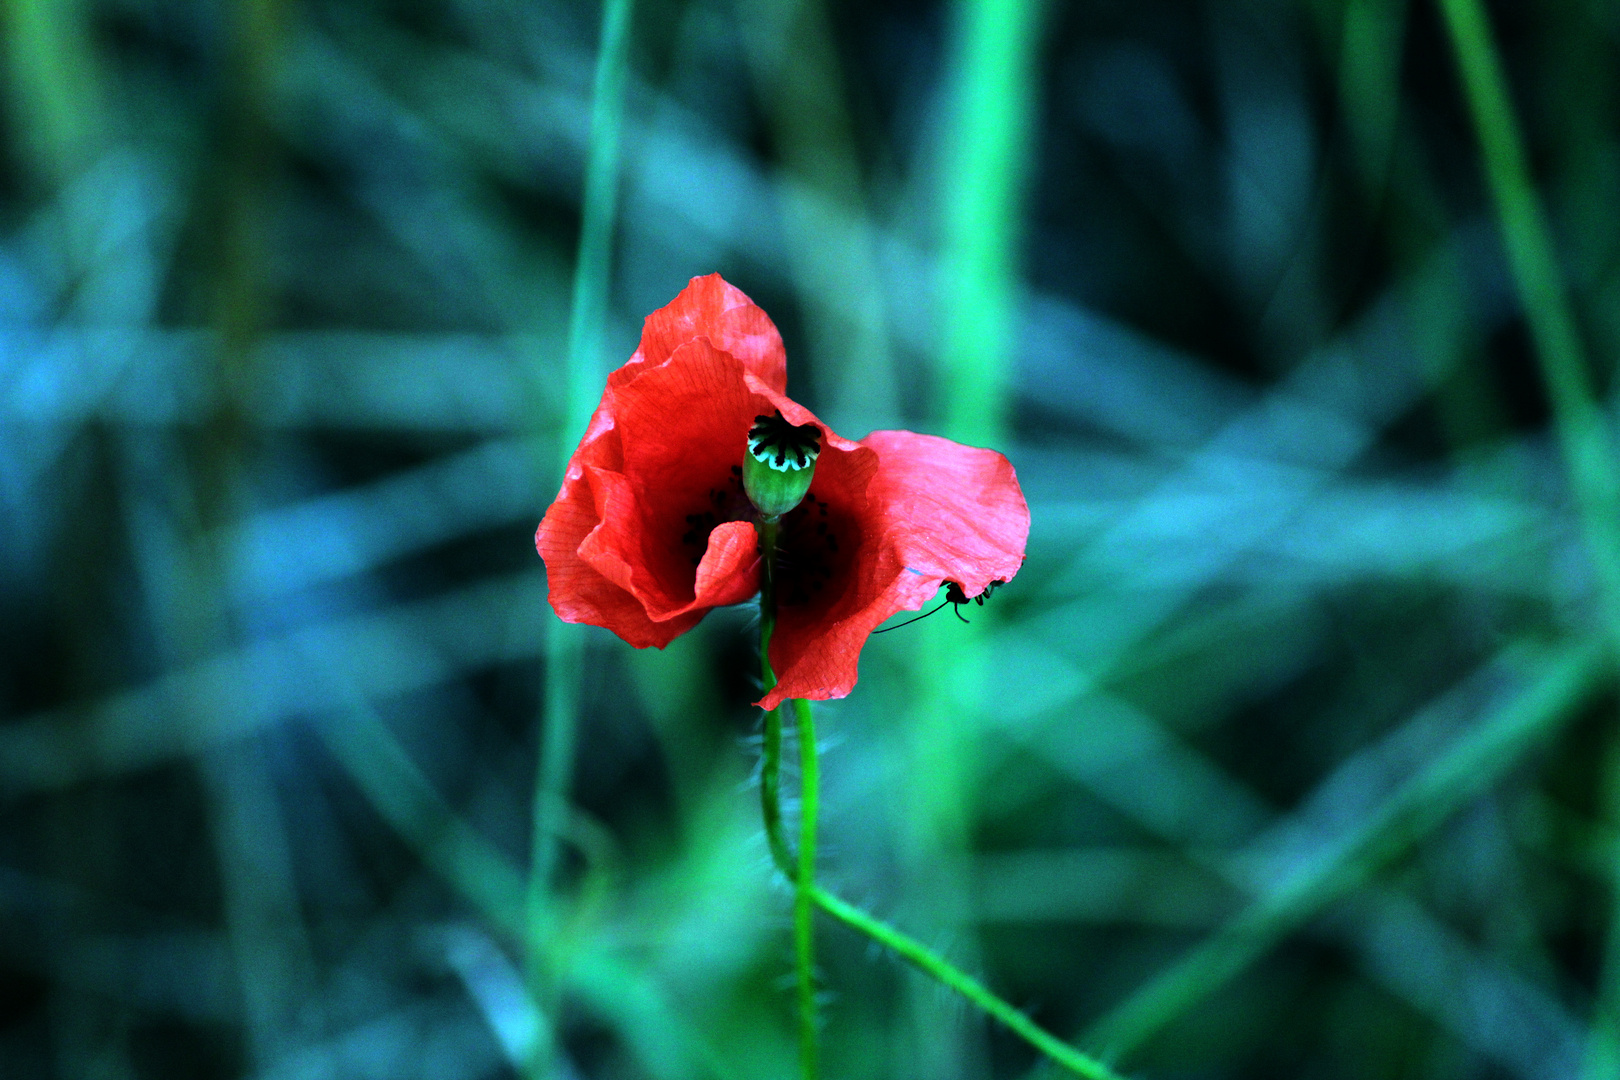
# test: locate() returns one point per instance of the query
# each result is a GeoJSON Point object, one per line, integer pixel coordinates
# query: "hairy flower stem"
{"type": "Point", "coordinates": [770, 792]}
{"type": "Point", "coordinates": [804, 910]}
{"type": "Point", "coordinates": [807, 895]}
{"type": "Point", "coordinates": [770, 774]}
{"type": "Point", "coordinates": [902, 944]}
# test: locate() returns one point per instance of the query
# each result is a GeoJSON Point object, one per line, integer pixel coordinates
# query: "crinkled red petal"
{"type": "Point", "coordinates": [935, 511]}
{"type": "Point", "coordinates": [578, 591]}
{"type": "Point", "coordinates": [955, 512]}
{"type": "Point", "coordinates": [683, 425]}
{"type": "Point", "coordinates": [710, 307]}
{"type": "Point", "coordinates": [613, 540]}
{"type": "Point", "coordinates": [620, 548]}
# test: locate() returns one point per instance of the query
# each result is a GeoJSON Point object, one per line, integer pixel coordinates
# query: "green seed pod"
{"type": "Point", "coordinates": [780, 463]}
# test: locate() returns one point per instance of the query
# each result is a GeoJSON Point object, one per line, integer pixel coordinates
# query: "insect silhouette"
{"type": "Point", "coordinates": [953, 596]}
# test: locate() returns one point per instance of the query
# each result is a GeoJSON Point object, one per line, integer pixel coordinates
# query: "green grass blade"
{"type": "Point", "coordinates": [830, 243]}
{"type": "Point", "coordinates": [1415, 810]}
{"type": "Point", "coordinates": [1589, 452]}
{"type": "Point", "coordinates": [592, 278]}
{"type": "Point", "coordinates": [983, 183]}
{"type": "Point", "coordinates": [990, 109]}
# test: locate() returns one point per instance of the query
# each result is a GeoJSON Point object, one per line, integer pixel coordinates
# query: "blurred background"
{"type": "Point", "coordinates": [1290, 753]}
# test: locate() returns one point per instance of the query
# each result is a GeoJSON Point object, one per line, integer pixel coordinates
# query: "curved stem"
{"type": "Point", "coordinates": [807, 894]}
{"type": "Point", "coordinates": [932, 964]}
{"type": "Point", "coordinates": [770, 792]}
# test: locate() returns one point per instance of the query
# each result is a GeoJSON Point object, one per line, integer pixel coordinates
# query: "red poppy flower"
{"type": "Point", "coordinates": [652, 529]}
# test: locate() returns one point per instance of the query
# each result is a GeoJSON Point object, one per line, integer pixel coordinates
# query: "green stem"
{"type": "Point", "coordinates": [770, 769]}
{"type": "Point", "coordinates": [804, 886]}
{"type": "Point", "coordinates": [932, 964]}
{"type": "Point", "coordinates": [809, 895]}
{"type": "Point", "coordinates": [770, 794]}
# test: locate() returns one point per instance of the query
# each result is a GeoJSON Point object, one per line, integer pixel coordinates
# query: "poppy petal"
{"type": "Point", "coordinates": [578, 591]}
{"type": "Point", "coordinates": [821, 660]}
{"type": "Point", "coordinates": [729, 572]}
{"type": "Point", "coordinates": [710, 307]}
{"type": "Point", "coordinates": [685, 426]}
{"type": "Point", "coordinates": [815, 646]}
{"type": "Point", "coordinates": [955, 512]}
{"type": "Point", "coordinates": [652, 528]}
{"type": "Point", "coordinates": [937, 511]}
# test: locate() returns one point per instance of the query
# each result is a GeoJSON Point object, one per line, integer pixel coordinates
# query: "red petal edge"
{"type": "Point", "coordinates": [664, 432]}
{"type": "Point", "coordinates": [936, 511]}
{"type": "Point", "coordinates": [711, 307]}
{"type": "Point", "coordinates": [927, 510]}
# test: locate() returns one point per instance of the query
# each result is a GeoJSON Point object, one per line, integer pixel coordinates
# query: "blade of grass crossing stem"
{"type": "Point", "coordinates": [592, 272]}
{"type": "Point", "coordinates": [1465, 770]}
{"type": "Point", "coordinates": [1588, 450]}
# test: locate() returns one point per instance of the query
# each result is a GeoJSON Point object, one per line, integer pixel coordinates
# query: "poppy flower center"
{"type": "Point", "coordinates": [812, 554]}
{"type": "Point", "coordinates": [813, 544]}
{"type": "Point", "coordinates": [726, 502]}
{"type": "Point", "coordinates": [780, 464]}
{"type": "Point", "coordinates": [783, 446]}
